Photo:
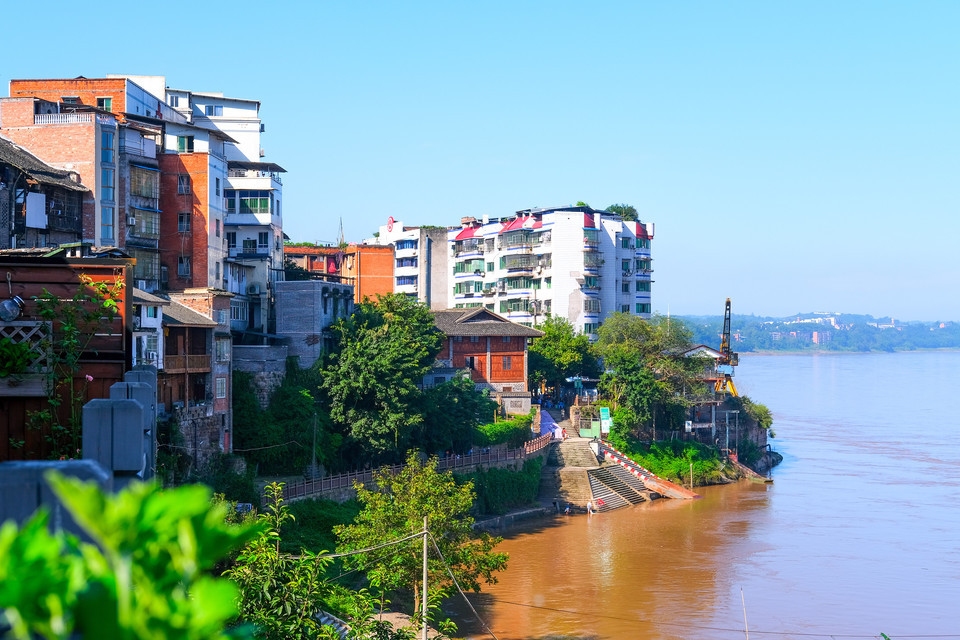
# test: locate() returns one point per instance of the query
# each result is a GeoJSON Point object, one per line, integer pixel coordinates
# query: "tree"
{"type": "Point", "coordinates": [559, 354]}
{"type": "Point", "coordinates": [280, 594]}
{"type": "Point", "coordinates": [383, 351]}
{"type": "Point", "coordinates": [396, 508]}
{"type": "Point", "coordinates": [293, 271]}
{"type": "Point", "coordinates": [452, 411]}
{"type": "Point", "coordinates": [625, 211]}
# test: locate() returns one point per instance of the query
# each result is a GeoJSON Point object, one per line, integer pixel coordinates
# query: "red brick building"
{"type": "Point", "coordinates": [491, 348]}
{"type": "Point", "coordinates": [368, 267]}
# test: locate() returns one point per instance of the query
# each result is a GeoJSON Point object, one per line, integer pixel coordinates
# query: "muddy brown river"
{"type": "Point", "coordinates": [859, 534]}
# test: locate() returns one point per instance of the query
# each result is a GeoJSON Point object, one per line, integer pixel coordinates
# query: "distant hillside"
{"type": "Point", "coordinates": [825, 332]}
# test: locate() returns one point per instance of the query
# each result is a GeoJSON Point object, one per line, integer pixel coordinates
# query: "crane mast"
{"type": "Point", "coordinates": [728, 358]}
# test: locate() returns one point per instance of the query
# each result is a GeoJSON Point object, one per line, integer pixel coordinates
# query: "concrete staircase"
{"type": "Point", "coordinates": [564, 476]}
{"type": "Point", "coordinates": [614, 487]}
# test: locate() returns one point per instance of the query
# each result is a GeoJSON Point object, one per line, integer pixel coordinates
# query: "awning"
{"type": "Point", "coordinates": [133, 206]}
{"type": "Point", "coordinates": [143, 166]}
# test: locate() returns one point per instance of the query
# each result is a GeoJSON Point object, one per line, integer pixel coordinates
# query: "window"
{"type": "Point", "coordinates": [625, 243]}
{"type": "Point", "coordinates": [643, 286]}
{"type": "Point", "coordinates": [183, 266]}
{"type": "Point", "coordinates": [643, 264]}
{"type": "Point", "coordinates": [506, 339]}
{"type": "Point", "coordinates": [152, 341]}
{"type": "Point", "coordinates": [69, 99]}
{"type": "Point", "coordinates": [474, 338]}
{"type": "Point", "coordinates": [406, 262]}
{"type": "Point", "coordinates": [230, 200]}
{"type": "Point", "coordinates": [185, 144]}
{"type": "Point", "coordinates": [250, 201]}
{"type": "Point", "coordinates": [625, 265]}
{"type": "Point", "coordinates": [144, 183]}
{"type": "Point", "coordinates": [213, 110]}
{"type": "Point", "coordinates": [216, 277]}
{"type": "Point", "coordinates": [183, 221]}
{"type": "Point", "coordinates": [547, 283]}
{"type": "Point", "coordinates": [231, 239]}
{"type": "Point", "coordinates": [217, 187]}
{"type": "Point", "coordinates": [643, 307]}
{"type": "Point", "coordinates": [106, 184]}
{"type": "Point", "coordinates": [469, 362]}
{"type": "Point", "coordinates": [223, 350]}
{"type": "Point", "coordinates": [238, 311]}
{"type": "Point", "coordinates": [249, 244]}
{"type": "Point", "coordinates": [218, 230]}
{"type": "Point", "coordinates": [183, 184]}
{"type": "Point", "coordinates": [643, 243]}
{"type": "Point", "coordinates": [263, 240]}
{"type": "Point", "coordinates": [406, 244]}
{"type": "Point", "coordinates": [590, 327]}
{"type": "Point", "coordinates": [458, 338]}
{"type": "Point", "coordinates": [105, 103]}
{"type": "Point", "coordinates": [106, 224]}
{"type": "Point", "coordinates": [406, 280]}
{"type": "Point", "coordinates": [106, 146]}
{"type": "Point", "coordinates": [507, 362]}
{"type": "Point", "coordinates": [624, 308]}
{"type": "Point", "coordinates": [151, 312]}
{"type": "Point", "coordinates": [591, 305]}
{"type": "Point", "coordinates": [148, 262]}
{"type": "Point", "coordinates": [174, 101]}
{"type": "Point", "coordinates": [625, 287]}
{"type": "Point", "coordinates": [221, 387]}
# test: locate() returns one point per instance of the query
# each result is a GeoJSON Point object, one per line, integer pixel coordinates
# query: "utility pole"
{"type": "Point", "coordinates": [424, 621]}
{"type": "Point", "coordinates": [313, 466]}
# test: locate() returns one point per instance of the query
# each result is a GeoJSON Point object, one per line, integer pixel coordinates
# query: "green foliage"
{"type": "Point", "coordinates": [146, 576]}
{"type": "Point", "coordinates": [581, 203]}
{"type": "Point", "coordinates": [396, 508]}
{"type": "Point", "coordinates": [513, 432]}
{"type": "Point", "coordinates": [499, 490]}
{"type": "Point", "coordinates": [76, 321]}
{"type": "Point", "coordinates": [672, 459]}
{"type": "Point", "coordinates": [280, 439]}
{"type": "Point", "coordinates": [625, 211]}
{"type": "Point", "coordinates": [559, 354]}
{"type": "Point", "coordinates": [452, 412]}
{"type": "Point", "coordinates": [383, 352]}
{"type": "Point", "coordinates": [757, 412]}
{"type": "Point", "coordinates": [222, 475]}
{"type": "Point", "coordinates": [294, 272]}
{"type": "Point", "coordinates": [280, 594]}
{"type": "Point", "coordinates": [313, 524]}
{"type": "Point", "coordinates": [15, 357]}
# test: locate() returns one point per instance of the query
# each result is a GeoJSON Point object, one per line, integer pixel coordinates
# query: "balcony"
{"type": "Point", "coordinates": [247, 173]}
{"type": "Point", "coordinates": [590, 245]}
{"type": "Point", "coordinates": [143, 147]}
{"type": "Point", "coordinates": [187, 364]}
{"type": "Point", "coordinates": [73, 118]}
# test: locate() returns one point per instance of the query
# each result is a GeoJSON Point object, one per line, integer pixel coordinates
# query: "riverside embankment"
{"type": "Point", "coordinates": [856, 536]}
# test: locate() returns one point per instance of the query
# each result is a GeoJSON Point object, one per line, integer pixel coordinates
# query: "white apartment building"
{"type": "Point", "coordinates": [421, 264]}
{"type": "Point", "coordinates": [573, 262]}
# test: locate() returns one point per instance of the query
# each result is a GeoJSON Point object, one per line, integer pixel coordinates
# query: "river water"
{"type": "Point", "coordinates": [859, 534]}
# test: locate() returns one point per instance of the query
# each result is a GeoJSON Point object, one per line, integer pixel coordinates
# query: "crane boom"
{"type": "Point", "coordinates": [728, 358]}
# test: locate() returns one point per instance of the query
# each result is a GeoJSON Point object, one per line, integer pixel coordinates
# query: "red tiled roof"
{"type": "Point", "coordinates": [468, 232]}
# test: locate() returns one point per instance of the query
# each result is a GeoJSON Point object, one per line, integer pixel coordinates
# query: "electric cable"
{"type": "Point", "coordinates": [457, 585]}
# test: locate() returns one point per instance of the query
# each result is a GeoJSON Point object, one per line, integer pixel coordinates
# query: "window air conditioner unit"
{"type": "Point", "coordinates": [142, 284]}
{"type": "Point", "coordinates": [254, 289]}
{"type": "Point", "coordinates": [152, 355]}
{"type": "Point", "coordinates": [131, 220]}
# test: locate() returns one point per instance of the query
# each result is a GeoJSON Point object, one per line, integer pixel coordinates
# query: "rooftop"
{"type": "Point", "coordinates": [479, 322]}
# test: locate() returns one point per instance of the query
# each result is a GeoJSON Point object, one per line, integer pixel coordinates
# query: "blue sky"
{"type": "Point", "coordinates": [793, 156]}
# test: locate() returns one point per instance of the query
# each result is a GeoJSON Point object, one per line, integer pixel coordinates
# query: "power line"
{"type": "Point", "coordinates": [457, 585]}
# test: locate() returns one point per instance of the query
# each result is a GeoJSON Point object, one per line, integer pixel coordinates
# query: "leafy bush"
{"type": "Point", "coordinates": [146, 576]}
{"type": "Point", "coordinates": [759, 413]}
{"type": "Point", "coordinates": [671, 459]}
{"type": "Point", "coordinates": [499, 490]}
{"type": "Point", "coordinates": [513, 432]}
{"type": "Point", "coordinates": [314, 520]}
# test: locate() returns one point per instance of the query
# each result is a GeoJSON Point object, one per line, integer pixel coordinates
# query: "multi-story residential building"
{"type": "Point", "coordinates": [109, 130]}
{"type": "Point", "coordinates": [252, 194]}
{"type": "Point", "coordinates": [573, 262]}
{"type": "Point", "coordinates": [148, 329]}
{"type": "Point", "coordinates": [368, 267]}
{"type": "Point", "coordinates": [420, 268]}
{"type": "Point", "coordinates": [39, 205]}
{"type": "Point", "coordinates": [491, 348]}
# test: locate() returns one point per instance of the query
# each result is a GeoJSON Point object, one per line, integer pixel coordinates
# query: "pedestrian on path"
{"type": "Point", "coordinates": [589, 507]}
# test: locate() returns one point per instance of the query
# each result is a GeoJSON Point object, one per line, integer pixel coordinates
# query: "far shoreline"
{"type": "Point", "coordinates": [818, 352]}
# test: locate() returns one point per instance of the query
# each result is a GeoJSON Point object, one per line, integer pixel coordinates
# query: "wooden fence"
{"type": "Point", "coordinates": [346, 480]}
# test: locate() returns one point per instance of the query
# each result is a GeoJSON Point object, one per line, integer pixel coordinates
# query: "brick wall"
{"type": "Point", "coordinates": [192, 244]}
{"type": "Point", "coordinates": [65, 146]}
{"type": "Point", "coordinates": [86, 91]}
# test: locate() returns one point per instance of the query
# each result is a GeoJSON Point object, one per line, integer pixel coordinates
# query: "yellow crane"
{"type": "Point", "coordinates": [728, 358]}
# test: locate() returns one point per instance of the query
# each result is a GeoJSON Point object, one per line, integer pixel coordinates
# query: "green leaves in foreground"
{"type": "Point", "coordinates": [145, 578]}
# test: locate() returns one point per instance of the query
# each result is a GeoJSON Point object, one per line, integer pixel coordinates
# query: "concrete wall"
{"type": "Point", "coordinates": [267, 366]}
{"type": "Point", "coordinates": [305, 309]}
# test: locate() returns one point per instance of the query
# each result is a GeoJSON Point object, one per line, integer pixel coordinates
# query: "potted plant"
{"type": "Point", "coordinates": [15, 361]}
